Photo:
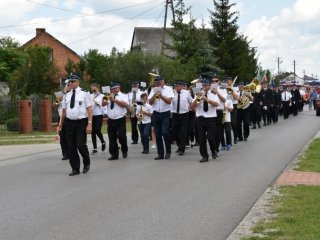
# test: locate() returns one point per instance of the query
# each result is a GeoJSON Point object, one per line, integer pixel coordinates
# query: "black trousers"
{"type": "Point", "coordinates": [206, 130]}
{"type": "Point", "coordinates": [234, 121]}
{"type": "Point", "coordinates": [117, 130]}
{"type": "Point", "coordinates": [275, 113]}
{"type": "Point", "coordinates": [161, 123]}
{"type": "Point", "coordinates": [77, 141]}
{"type": "Point", "coordinates": [243, 123]}
{"type": "Point", "coordinates": [285, 109]}
{"type": "Point", "coordinates": [134, 129]}
{"type": "Point", "coordinates": [180, 129]}
{"type": "Point", "coordinates": [219, 129]}
{"type": "Point", "coordinates": [63, 141]}
{"type": "Point", "coordinates": [227, 132]}
{"type": "Point", "coordinates": [255, 113]}
{"type": "Point", "coordinates": [96, 130]}
{"type": "Point", "coordinates": [266, 114]}
{"type": "Point", "coordinates": [191, 127]}
{"type": "Point", "coordinates": [294, 108]}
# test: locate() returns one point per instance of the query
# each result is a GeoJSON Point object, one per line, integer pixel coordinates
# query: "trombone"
{"type": "Point", "coordinates": [229, 89]}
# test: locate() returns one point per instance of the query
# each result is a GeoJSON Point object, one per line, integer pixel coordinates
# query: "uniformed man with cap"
{"type": "Point", "coordinates": [77, 117]}
{"type": "Point", "coordinates": [222, 94]}
{"type": "Point", "coordinates": [180, 115]}
{"type": "Point", "coordinates": [286, 102]}
{"type": "Point", "coordinates": [160, 98]}
{"type": "Point", "coordinates": [234, 96]}
{"type": "Point", "coordinates": [134, 97]}
{"type": "Point", "coordinates": [207, 118]}
{"type": "Point", "coordinates": [117, 109]}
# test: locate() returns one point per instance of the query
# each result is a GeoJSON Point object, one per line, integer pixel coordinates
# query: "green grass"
{"type": "Point", "coordinates": [310, 161]}
{"type": "Point", "coordinates": [297, 215]}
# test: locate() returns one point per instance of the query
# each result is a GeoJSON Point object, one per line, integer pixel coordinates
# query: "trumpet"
{"type": "Point", "coordinates": [57, 102]}
{"type": "Point", "coordinates": [157, 96]}
{"type": "Point", "coordinates": [229, 90]}
{"type": "Point", "coordinates": [198, 99]}
{"type": "Point", "coordinates": [140, 115]}
{"type": "Point", "coordinates": [106, 97]}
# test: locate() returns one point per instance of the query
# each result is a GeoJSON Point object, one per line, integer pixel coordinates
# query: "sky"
{"type": "Point", "coordinates": [288, 29]}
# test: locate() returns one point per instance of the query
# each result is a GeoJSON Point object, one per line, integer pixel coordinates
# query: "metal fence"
{"type": "Point", "coordinates": [9, 116]}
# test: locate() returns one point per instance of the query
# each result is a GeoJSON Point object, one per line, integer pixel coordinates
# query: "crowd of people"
{"type": "Point", "coordinates": [213, 112]}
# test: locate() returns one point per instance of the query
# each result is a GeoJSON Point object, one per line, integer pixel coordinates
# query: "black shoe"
{"type": "Point", "coordinates": [167, 156]}
{"type": "Point", "coordinates": [145, 152]}
{"type": "Point", "coordinates": [204, 159]}
{"type": "Point", "coordinates": [86, 169]}
{"type": "Point", "coordinates": [235, 141]}
{"type": "Point", "coordinates": [94, 152]}
{"type": "Point", "coordinates": [181, 153]}
{"type": "Point", "coordinates": [196, 144]}
{"type": "Point", "coordinates": [134, 143]}
{"type": "Point", "coordinates": [240, 139]}
{"type": "Point", "coordinates": [245, 139]}
{"type": "Point", "coordinates": [103, 146]}
{"type": "Point", "coordinates": [112, 158]}
{"type": "Point", "coordinates": [158, 158]}
{"type": "Point", "coordinates": [124, 155]}
{"type": "Point", "coordinates": [64, 158]}
{"type": "Point", "coordinates": [178, 150]}
{"type": "Point", "coordinates": [74, 172]}
{"type": "Point", "coordinates": [259, 126]}
{"type": "Point", "coordinates": [264, 124]}
{"type": "Point", "coordinates": [254, 127]}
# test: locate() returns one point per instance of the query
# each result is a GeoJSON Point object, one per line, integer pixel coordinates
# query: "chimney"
{"type": "Point", "coordinates": [40, 30]}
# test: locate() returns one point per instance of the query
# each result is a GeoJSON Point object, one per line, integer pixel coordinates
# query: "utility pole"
{"type": "Point", "coordinates": [168, 2]}
{"type": "Point", "coordinates": [279, 62]}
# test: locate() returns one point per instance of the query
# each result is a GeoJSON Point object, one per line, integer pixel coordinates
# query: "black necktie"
{"type": "Point", "coordinates": [205, 105]}
{"type": "Point", "coordinates": [112, 103]}
{"type": "Point", "coordinates": [178, 103]}
{"type": "Point", "coordinates": [73, 97]}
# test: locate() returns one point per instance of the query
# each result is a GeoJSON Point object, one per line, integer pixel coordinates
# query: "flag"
{"type": "Point", "coordinates": [264, 77]}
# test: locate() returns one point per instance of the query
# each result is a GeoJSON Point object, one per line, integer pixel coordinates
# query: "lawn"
{"type": "Point", "coordinates": [296, 216]}
{"type": "Point", "coordinates": [310, 161]}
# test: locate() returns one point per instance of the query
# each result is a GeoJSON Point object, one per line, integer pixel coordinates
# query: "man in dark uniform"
{"type": "Point", "coordinates": [275, 104]}
{"type": "Point", "coordinates": [265, 106]}
{"type": "Point", "coordinates": [117, 109]}
{"type": "Point", "coordinates": [77, 117]}
{"type": "Point", "coordinates": [296, 97]}
{"type": "Point", "coordinates": [255, 114]}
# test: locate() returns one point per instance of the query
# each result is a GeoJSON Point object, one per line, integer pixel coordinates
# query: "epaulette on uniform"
{"type": "Point", "coordinates": [84, 90]}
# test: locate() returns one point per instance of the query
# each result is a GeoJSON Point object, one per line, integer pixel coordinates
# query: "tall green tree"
{"type": "Point", "coordinates": [234, 54]}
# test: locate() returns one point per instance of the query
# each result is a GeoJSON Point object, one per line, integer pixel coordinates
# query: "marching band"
{"type": "Point", "coordinates": [209, 111]}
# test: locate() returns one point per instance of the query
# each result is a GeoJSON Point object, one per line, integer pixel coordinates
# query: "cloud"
{"type": "Point", "coordinates": [293, 35]}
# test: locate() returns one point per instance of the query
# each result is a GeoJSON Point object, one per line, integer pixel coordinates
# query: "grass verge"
{"type": "Point", "coordinates": [310, 161]}
{"type": "Point", "coordinates": [296, 216]}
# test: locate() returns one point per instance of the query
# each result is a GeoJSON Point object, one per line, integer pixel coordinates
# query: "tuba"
{"type": "Point", "coordinates": [244, 100]}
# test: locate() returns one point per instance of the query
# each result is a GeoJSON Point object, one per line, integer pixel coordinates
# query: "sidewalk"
{"type": "Point", "coordinates": [292, 177]}
{"type": "Point", "coordinates": [15, 151]}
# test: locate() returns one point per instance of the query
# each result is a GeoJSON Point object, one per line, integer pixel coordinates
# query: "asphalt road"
{"type": "Point", "coordinates": [139, 198]}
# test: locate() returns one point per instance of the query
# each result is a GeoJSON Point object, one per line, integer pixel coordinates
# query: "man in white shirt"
{"type": "Point", "coordinates": [97, 118]}
{"type": "Point", "coordinates": [77, 117]}
{"type": "Point", "coordinates": [207, 118]}
{"type": "Point", "coordinates": [117, 109]}
{"type": "Point", "coordinates": [180, 115]}
{"type": "Point", "coordinates": [222, 94]}
{"type": "Point", "coordinates": [234, 96]}
{"type": "Point", "coordinates": [160, 99]}
{"type": "Point", "coordinates": [286, 97]}
{"type": "Point", "coordinates": [134, 97]}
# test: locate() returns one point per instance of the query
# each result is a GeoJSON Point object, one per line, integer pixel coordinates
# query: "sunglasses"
{"type": "Point", "coordinates": [72, 81]}
{"type": "Point", "coordinates": [215, 81]}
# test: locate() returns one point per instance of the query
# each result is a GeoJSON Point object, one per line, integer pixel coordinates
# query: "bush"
{"type": "Point", "coordinates": [35, 123]}
{"type": "Point", "coordinates": [12, 124]}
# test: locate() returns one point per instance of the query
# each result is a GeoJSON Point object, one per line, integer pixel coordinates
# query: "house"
{"type": "Point", "coordinates": [292, 79]}
{"type": "Point", "coordinates": [60, 53]}
{"type": "Point", "coordinates": [149, 40]}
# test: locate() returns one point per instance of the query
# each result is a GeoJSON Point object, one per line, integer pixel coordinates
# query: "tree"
{"type": "Point", "coordinates": [37, 75]}
{"type": "Point", "coordinates": [234, 54]}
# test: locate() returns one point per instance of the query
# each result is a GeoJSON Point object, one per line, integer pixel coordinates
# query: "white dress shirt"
{"type": "Point", "coordinates": [147, 108]}
{"type": "Point", "coordinates": [160, 106]}
{"type": "Point", "coordinates": [212, 111]}
{"type": "Point", "coordinates": [185, 101]}
{"type": "Point", "coordinates": [117, 111]}
{"type": "Point", "coordinates": [236, 91]}
{"type": "Point", "coordinates": [228, 104]}
{"type": "Point", "coordinates": [138, 94]}
{"type": "Point", "coordinates": [97, 104]}
{"type": "Point", "coordinates": [223, 93]}
{"type": "Point", "coordinates": [286, 96]}
{"type": "Point", "coordinates": [82, 102]}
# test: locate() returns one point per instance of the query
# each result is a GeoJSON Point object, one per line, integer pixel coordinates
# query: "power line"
{"type": "Point", "coordinates": [81, 16]}
{"type": "Point", "coordinates": [50, 6]}
{"type": "Point", "coordinates": [107, 29]}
